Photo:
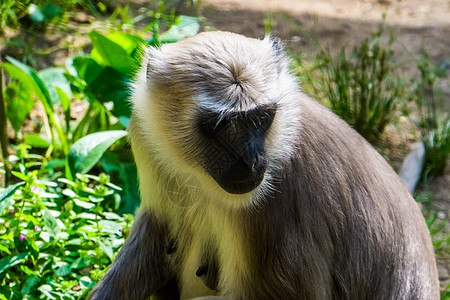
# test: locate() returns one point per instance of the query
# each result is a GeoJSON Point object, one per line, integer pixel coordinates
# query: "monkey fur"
{"type": "Point", "coordinates": [252, 190]}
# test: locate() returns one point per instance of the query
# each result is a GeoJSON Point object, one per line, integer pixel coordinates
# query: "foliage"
{"type": "Point", "coordinates": [434, 120]}
{"type": "Point", "coordinates": [40, 11]}
{"type": "Point", "coordinates": [362, 87]}
{"type": "Point", "coordinates": [57, 235]}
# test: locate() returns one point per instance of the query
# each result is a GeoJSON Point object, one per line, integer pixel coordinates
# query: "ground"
{"type": "Point", "coordinates": [418, 25]}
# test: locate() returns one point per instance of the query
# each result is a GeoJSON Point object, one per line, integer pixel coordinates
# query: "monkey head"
{"type": "Point", "coordinates": [214, 109]}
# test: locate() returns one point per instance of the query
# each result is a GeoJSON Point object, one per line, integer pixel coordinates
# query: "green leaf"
{"type": "Point", "coordinates": [87, 282]}
{"type": "Point", "coordinates": [45, 236]}
{"type": "Point", "coordinates": [20, 175]}
{"type": "Point", "coordinates": [83, 204]}
{"type": "Point", "coordinates": [20, 103]}
{"type": "Point", "coordinates": [127, 41]}
{"type": "Point", "coordinates": [4, 204]}
{"type": "Point", "coordinates": [46, 289]}
{"type": "Point", "coordinates": [82, 262]}
{"type": "Point", "coordinates": [107, 248]}
{"type": "Point", "coordinates": [11, 261]}
{"type": "Point", "coordinates": [86, 152]}
{"type": "Point", "coordinates": [51, 223]}
{"type": "Point", "coordinates": [184, 26]}
{"type": "Point", "coordinates": [35, 13]}
{"type": "Point", "coordinates": [64, 99]}
{"type": "Point", "coordinates": [24, 72]}
{"type": "Point", "coordinates": [36, 141]}
{"type": "Point", "coordinates": [87, 216]}
{"type": "Point", "coordinates": [5, 196]}
{"type": "Point", "coordinates": [30, 282]}
{"type": "Point", "coordinates": [62, 269]}
{"type": "Point", "coordinates": [86, 68]}
{"type": "Point", "coordinates": [111, 216]}
{"type": "Point", "coordinates": [110, 226]}
{"type": "Point", "coordinates": [4, 249]}
{"type": "Point", "coordinates": [50, 10]}
{"type": "Point", "coordinates": [52, 78]}
{"type": "Point", "coordinates": [108, 53]}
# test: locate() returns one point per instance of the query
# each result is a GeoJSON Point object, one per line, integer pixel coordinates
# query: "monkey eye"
{"type": "Point", "coordinates": [262, 120]}
{"type": "Point", "coordinates": [209, 125]}
{"type": "Point", "coordinates": [265, 122]}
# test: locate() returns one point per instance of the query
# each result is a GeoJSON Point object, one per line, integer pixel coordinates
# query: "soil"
{"type": "Point", "coordinates": [419, 25]}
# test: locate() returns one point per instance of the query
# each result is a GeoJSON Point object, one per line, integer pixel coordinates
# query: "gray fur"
{"type": "Point", "coordinates": [330, 219]}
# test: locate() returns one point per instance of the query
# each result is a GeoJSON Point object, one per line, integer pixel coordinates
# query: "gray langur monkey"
{"type": "Point", "coordinates": [252, 190]}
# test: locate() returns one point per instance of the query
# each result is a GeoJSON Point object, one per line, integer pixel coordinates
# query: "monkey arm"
{"type": "Point", "coordinates": [141, 267]}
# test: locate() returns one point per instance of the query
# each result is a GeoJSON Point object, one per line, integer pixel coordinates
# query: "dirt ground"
{"type": "Point", "coordinates": [418, 25]}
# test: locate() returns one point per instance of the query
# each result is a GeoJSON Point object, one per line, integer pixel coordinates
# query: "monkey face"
{"type": "Point", "coordinates": [218, 111]}
{"type": "Point", "coordinates": [233, 151]}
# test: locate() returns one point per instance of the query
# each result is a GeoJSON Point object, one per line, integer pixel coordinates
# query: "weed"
{"type": "Point", "coordinates": [434, 120]}
{"type": "Point", "coordinates": [362, 87]}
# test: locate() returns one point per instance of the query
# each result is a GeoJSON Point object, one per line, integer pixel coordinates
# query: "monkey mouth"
{"type": "Point", "coordinates": [240, 185]}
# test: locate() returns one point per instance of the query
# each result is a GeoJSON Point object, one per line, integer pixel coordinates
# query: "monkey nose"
{"type": "Point", "coordinates": [253, 155]}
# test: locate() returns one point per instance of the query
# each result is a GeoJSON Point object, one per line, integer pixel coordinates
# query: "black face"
{"type": "Point", "coordinates": [234, 147]}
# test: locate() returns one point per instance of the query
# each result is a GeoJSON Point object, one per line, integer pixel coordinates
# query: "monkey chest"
{"type": "Point", "coordinates": [210, 258]}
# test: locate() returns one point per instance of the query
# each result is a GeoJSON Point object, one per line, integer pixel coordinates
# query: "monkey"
{"type": "Point", "coordinates": [250, 189]}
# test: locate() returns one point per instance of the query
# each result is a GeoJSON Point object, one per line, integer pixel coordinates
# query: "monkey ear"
{"type": "Point", "coordinates": [276, 44]}
{"type": "Point", "coordinates": [278, 52]}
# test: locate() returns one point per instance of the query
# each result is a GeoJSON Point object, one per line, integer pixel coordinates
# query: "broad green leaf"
{"type": "Point", "coordinates": [36, 141]}
{"type": "Point", "coordinates": [87, 282]}
{"type": "Point", "coordinates": [45, 236]}
{"type": "Point", "coordinates": [111, 216]}
{"type": "Point", "coordinates": [51, 223]}
{"type": "Point", "coordinates": [86, 152]}
{"type": "Point", "coordinates": [110, 226]}
{"type": "Point", "coordinates": [35, 13]}
{"type": "Point", "coordinates": [108, 53]}
{"type": "Point", "coordinates": [107, 248]}
{"type": "Point", "coordinates": [127, 41]}
{"type": "Point", "coordinates": [83, 204]}
{"type": "Point", "coordinates": [46, 289]}
{"type": "Point", "coordinates": [76, 242]}
{"type": "Point", "coordinates": [69, 193]}
{"type": "Point", "coordinates": [87, 216]}
{"type": "Point", "coordinates": [62, 269]}
{"type": "Point", "coordinates": [11, 261]}
{"type": "Point", "coordinates": [50, 10]}
{"type": "Point", "coordinates": [30, 282]}
{"type": "Point", "coordinates": [20, 102]}
{"type": "Point", "coordinates": [4, 249]}
{"type": "Point", "coordinates": [82, 262]}
{"type": "Point", "coordinates": [106, 83]}
{"type": "Point", "coordinates": [52, 78]}
{"type": "Point", "coordinates": [86, 68]}
{"type": "Point", "coordinates": [184, 26]}
{"type": "Point", "coordinates": [24, 72]}
{"type": "Point", "coordinates": [5, 196]}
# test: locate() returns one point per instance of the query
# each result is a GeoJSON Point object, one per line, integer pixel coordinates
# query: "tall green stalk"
{"type": "Point", "coordinates": [3, 134]}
